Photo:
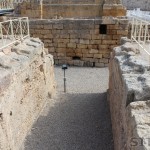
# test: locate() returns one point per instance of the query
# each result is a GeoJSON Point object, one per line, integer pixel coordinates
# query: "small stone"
{"type": "Point", "coordinates": [2, 54]}
{"type": "Point", "coordinates": [7, 51]}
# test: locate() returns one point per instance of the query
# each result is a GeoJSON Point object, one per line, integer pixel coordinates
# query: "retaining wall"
{"type": "Point", "coordinates": [129, 98]}
{"type": "Point", "coordinates": [26, 83]}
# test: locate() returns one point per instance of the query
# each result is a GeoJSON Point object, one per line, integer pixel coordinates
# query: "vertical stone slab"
{"type": "Point", "coordinates": [113, 8]}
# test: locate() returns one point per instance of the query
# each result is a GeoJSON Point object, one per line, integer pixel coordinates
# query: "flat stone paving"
{"type": "Point", "coordinates": [77, 120]}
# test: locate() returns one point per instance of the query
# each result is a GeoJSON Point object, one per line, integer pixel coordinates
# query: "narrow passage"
{"type": "Point", "coordinates": [77, 120]}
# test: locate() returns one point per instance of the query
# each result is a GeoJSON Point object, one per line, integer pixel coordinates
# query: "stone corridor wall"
{"type": "Point", "coordinates": [26, 83]}
{"type": "Point", "coordinates": [129, 98]}
{"type": "Point", "coordinates": [80, 42]}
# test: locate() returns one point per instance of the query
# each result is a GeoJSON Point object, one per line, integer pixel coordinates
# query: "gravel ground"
{"type": "Point", "coordinates": [77, 120]}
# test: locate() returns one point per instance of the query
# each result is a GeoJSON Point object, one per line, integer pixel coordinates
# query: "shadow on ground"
{"type": "Point", "coordinates": [73, 122]}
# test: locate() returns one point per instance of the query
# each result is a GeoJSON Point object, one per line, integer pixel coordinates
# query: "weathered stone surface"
{"type": "Point", "coordinates": [138, 129]}
{"type": "Point", "coordinates": [129, 87]}
{"type": "Point", "coordinates": [26, 83]}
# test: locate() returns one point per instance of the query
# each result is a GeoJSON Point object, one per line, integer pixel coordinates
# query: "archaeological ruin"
{"type": "Point", "coordinates": [38, 37]}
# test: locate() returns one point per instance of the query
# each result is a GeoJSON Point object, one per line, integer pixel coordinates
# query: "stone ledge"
{"type": "Point", "coordinates": [129, 87]}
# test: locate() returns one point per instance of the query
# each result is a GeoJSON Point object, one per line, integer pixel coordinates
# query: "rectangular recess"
{"type": "Point", "coordinates": [103, 29]}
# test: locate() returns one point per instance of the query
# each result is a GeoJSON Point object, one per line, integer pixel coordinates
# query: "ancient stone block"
{"type": "Point", "coordinates": [83, 41]}
{"type": "Point", "coordinates": [82, 46]}
{"type": "Point", "coordinates": [46, 26]}
{"type": "Point", "coordinates": [93, 51]}
{"type": "Point", "coordinates": [98, 56]}
{"type": "Point", "coordinates": [99, 64]}
{"type": "Point", "coordinates": [88, 55]}
{"type": "Point", "coordinates": [61, 45]}
{"type": "Point", "coordinates": [71, 45]}
{"type": "Point", "coordinates": [58, 26]}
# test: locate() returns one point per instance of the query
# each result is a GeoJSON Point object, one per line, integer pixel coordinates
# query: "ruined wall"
{"type": "Point", "coordinates": [26, 83]}
{"type": "Point", "coordinates": [132, 4]}
{"type": "Point", "coordinates": [81, 39]}
{"type": "Point", "coordinates": [129, 95]}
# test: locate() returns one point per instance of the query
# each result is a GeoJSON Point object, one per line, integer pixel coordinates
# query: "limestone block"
{"type": "Point", "coordinates": [94, 31]}
{"type": "Point", "coordinates": [104, 60]}
{"type": "Point", "coordinates": [56, 31]}
{"type": "Point", "coordinates": [93, 51]}
{"type": "Point", "coordinates": [78, 63]}
{"type": "Point", "coordinates": [51, 49]}
{"type": "Point", "coordinates": [64, 36]}
{"type": "Point", "coordinates": [112, 32]}
{"type": "Point", "coordinates": [71, 45]}
{"type": "Point", "coordinates": [82, 46]}
{"type": "Point", "coordinates": [93, 46]}
{"type": "Point", "coordinates": [61, 45]}
{"type": "Point", "coordinates": [98, 56]}
{"type": "Point", "coordinates": [114, 10]}
{"type": "Point", "coordinates": [74, 36]}
{"type": "Point", "coordinates": [7, 50]}
{"type": "Point", "coordinates": [47, 26]}
{"type": "Point", "coordinates": [103, 46]}
{"type": "Point", "coordinates": [58, 26]}
{"type": "Point", "coordinates": [48, 36]}
{"type": "Point", "coordinates": [60, 54]}
{"type": "Point", "coordinates": [88, 55]}
{"type": "Point", "coordinates": [74, 40]}
{"type": "Point", "coordinates": [83, 41]}
{"type": "Point", "coordinates": [111, 42]}
{"type": "Point", "coordinates": [95, 42]}
{"type": "Point", "coordinates": [59, 50]}
{"type": "Point", "coordinates": [79, 55]}
{"type": "Point", "coordinates": [85, 36]}
{"type": "Point", "coordinates": [71, 54]}
{"type": "Point", "coordinates": [122, 32]}
{"type": "Point", "coordinates": [85, 51]}
{"type": "Point", "coordinates": [96, 37]}
{"type": "Point", "coordinates": [99, 64]}
{"type": "Point", "coordinates": [107, 55]}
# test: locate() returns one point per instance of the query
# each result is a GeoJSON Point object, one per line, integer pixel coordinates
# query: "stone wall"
{"type": "Point", "coordinates": [129, 95]}
{"type": "Point", "coordinates": [26, 83]}
{"type": "Point", "coordinates": [72, 9]}
{"type": "Point", "coordinates": [81, 42]}
{"type": "Point", "coordinates": [132, 4]}
{"type": "Point", "coordinates": [63, 8]}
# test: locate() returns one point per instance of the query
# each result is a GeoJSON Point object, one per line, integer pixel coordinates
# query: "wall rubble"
{"type": "Point", "coordinates": [70, 39]}
{"type": "Point", "coordinates": [129, 95]}
{"type": "Point", "coordinates": [26, 83]}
